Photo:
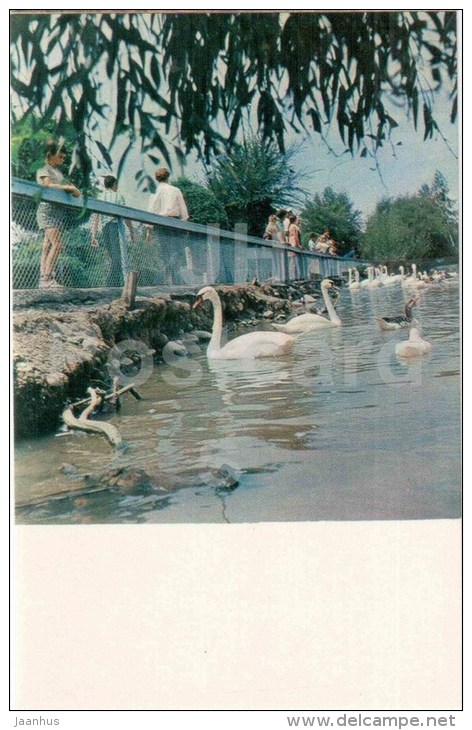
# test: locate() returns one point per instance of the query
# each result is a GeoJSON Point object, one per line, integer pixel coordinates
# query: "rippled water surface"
{"type": "Point", "coordinates": [338, 430]}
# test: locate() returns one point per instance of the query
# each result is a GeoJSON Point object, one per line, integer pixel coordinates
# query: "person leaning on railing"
{"type": "Point", "coordinates": [169, 202]}
{"type": "Point", "coordinates": [105, 232]}
{"type": "Point", "coordinates": [52, 217]}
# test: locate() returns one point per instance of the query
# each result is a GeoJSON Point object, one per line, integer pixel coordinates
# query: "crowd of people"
{"type": "Point", "coordinates": [285, 227]}
{"type": "Point", "coordinates": [107, 232]}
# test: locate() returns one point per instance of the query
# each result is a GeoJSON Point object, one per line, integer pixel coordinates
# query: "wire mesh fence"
{"type": "Point", "coordinates": [97, 244]}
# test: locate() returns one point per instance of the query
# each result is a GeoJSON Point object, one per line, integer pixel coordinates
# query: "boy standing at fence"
{"type": "Point", "coordinates": [106, 232]}
{"type": "Point", "coordinates": [169, 202]}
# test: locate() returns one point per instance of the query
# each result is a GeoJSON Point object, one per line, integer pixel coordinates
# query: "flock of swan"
{"type": "Point", "coordinates": [271, 344]}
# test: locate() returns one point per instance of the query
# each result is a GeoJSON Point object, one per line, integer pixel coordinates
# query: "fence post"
{"type": "Point", "coordinates": [129, 289]}
{"type": "Point", "coordinates": [286, 272]}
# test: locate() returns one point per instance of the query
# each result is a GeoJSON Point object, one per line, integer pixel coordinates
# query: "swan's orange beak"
{"type": "Point", "coordinates": [197, 303]}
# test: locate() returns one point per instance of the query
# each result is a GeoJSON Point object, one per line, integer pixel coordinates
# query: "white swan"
{"type": "Point", "coordinates": [399, 277]}
{"type": "Point", "coordinates": [366, 282]}
{"type": "Point", "coordinates": [309, 321]}
{"type": "Point", "coordinates": [414, 280]}
{"type": "Point", "coordinates": [413, 347]}
{"type": "Point", "coordinates": [387, 280]}
{"type": "Point", "coordinates": [353, 285]}
{"type": "Point", "coordinates": [376, 281]}
{"type": "Point", "coordinates": [370, 282]}
{"type": "Point", "coordinates": [245, 347]}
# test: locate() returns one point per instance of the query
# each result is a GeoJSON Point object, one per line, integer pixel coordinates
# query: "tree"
{"type": "Point", "coordinates": [203, 205]}
{"type": "Point", "coordinates": [410, 227]}
{"type": "Point", "coordinates": [28, 138]}
{"type": "Point", "coordinates": [334, 212]}
{"type": "Point", "coordinates": [252, 180]}
{"type": "Point", "coordinates": [148, 76]}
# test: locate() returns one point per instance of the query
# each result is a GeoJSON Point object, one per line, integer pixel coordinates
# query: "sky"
{"type": "Point", "coordinates": [402, 167]}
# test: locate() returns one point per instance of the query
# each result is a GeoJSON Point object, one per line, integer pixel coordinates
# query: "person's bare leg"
{"type": "Point", "coordinates": [54, 251]}
{"type": "Point", "coordinates": [44, 253]}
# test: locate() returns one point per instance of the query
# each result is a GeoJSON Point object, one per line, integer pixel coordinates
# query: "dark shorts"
{"type": "Point", "coordinates": [50, 215]}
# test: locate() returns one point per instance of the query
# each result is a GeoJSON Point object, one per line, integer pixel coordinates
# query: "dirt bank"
{"type": "Point", "coordinates": [61, 341]}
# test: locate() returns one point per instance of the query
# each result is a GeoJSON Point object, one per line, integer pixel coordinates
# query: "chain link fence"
{"type": "Point", "coordinates": [163, 251]}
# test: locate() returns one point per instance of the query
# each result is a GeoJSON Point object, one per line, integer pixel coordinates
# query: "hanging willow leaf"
{"type": "Point", "coordinates": [191, 71]}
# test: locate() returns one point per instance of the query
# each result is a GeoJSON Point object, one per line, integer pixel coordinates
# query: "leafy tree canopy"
{"type": "Point", "coordinates": [28, 142]}
{"type": "Point", "coordinates": [416, 226]}
{"type": "Point", "coordinates": [186, 81]}
{"type": "Point", "coordinates": [203, 205]}
{"type": "Point", "coordinates": [252, 180]}
{"type": "Point", "coordinates": [334, 212]}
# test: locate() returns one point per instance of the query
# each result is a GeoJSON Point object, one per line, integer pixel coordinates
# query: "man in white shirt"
{"type": "Point", "coordinates": [168, 201]}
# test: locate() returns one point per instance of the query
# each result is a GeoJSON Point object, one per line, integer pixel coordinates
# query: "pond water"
{"type": "Point", "coordinates": [339, 430]}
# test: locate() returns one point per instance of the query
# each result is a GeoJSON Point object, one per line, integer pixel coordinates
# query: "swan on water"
{"type": "Point", "coordinates": [388, 280]}
{"type": "Point", "coordinates": [371, 282]}
{"type": "Point", "coordinates": [414, 280]}
{"type": "Point", "coordinates": [402, 320]}
{"type": "Point", "coordinates": [310, 321]}
{"type": "Point", "coordinates": [413, 347]}
{"type": "Point", "coordinates": [245, 347]}
{"type": "Point", "coordinates": [366, 282]}
{"type": "Point", "coordinates": [353, 285]}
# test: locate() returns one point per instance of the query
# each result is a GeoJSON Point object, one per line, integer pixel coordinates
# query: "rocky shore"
{"type": "Point", "coordinates": [61, 340]}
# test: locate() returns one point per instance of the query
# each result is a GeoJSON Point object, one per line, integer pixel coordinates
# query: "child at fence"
{"type": "Point", "coordinates": [51, 217]}
{"type": "Point", "coordinates": [106, 232]}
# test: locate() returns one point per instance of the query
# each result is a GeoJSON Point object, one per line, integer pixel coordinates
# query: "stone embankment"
{"type": "Point", "coordinates": [61, 340]}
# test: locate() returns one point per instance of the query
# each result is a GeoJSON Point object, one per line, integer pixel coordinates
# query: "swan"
{"type": "Point", "coordinates": [367, 282]}
{"type": "Point", "coordinates": [388, 280]}
{"type": "Point", "coordinates": [376, 281]}
{"type": "Point", "coordinates": [353, 285]}
{"type": "Point", "coordinates": [399, 277]}
{"type": "Point", "coordinates": [413, 280]}
{"type": "Point", "coordinates": [309, 321]}
{"type": "Point", "coordinates": [371, 281]}
{"type": "Point", "coordinates": [413, 347]}
{"type": "Point", "coordinates": [245, 347]}
{"type": "Point", "coordinates": [404, 320]}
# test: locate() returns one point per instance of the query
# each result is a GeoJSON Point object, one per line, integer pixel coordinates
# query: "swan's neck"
{"type": "Point", "coordinates": [215, 342]}
{"type": "Point", "coordinates": [329, 306]}
{"type": "Point", "coordinates": [356, 274]}
{"type": "Point", "coordinates": [350, 277]}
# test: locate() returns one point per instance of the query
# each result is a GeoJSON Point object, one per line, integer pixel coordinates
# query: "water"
{"type": "Point", "coordinates": [338, 430]}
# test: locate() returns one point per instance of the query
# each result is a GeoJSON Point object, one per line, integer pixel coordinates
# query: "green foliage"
{"type": "Point", "coordinates": [411, 227]}
{"type": "Point", "coordinates": [252, 180]}
{"type": "Point", "coordinates": [334, 212]}
{"type": "Point", "coordinates": [143, 74]}
{"type": "Point", "coordinates": [203, 205]}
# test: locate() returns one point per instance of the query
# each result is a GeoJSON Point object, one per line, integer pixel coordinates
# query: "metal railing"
{"type": "Point", "coordinates": [162, 250]}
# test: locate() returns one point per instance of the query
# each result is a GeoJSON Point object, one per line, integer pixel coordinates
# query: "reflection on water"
{"type": "Point", "coordinates": [338, 430]}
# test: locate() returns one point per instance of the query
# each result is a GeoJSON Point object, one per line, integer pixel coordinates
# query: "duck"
{"type": "Point", "coordinates": [413, 347]}
{"type": "Point", "coordinates": [244, 347]}
{"type": "Point", "coordinates": [311, 321]}
{"type": "Point", "coordinates": [401, 321]}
